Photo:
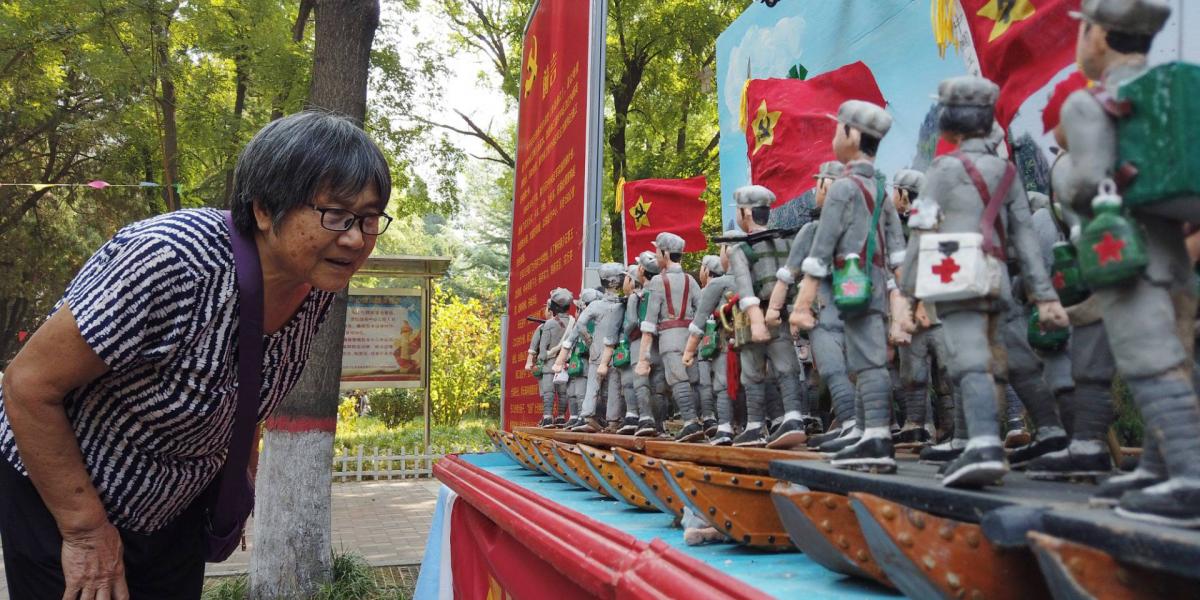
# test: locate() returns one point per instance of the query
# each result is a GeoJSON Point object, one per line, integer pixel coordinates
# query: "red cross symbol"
{"type": "Point", "coordinates": [849, 288]}
{"type": "Point", "coordinates": [1058, 280]}
{"type": "Point", "coordinates": [1108, 249]}
{"type": "Point", "coordinates": [946, 269]}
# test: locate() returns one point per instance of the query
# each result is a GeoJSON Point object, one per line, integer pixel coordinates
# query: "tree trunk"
{"type": "Point", "coordinates": [239, 106]}
{"type": "Point", "coordinates": [14, 312]}
{"type": "Point", "coordinates": [166, 101]}
{"type": "Point", "coordinates": [291, 557]}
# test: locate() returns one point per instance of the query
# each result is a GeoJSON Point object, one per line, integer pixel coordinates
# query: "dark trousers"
{"type": "Point", "coordinates": [168, 563]}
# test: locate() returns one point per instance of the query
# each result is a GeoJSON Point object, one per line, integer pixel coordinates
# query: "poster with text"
{"type": "Point", "coordinates": [557, 152]}
{"type": "Point", "coordinates": [385, 341]}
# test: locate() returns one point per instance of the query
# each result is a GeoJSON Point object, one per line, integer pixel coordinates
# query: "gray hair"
{"type": "Point", "coordinates": [291, 160]}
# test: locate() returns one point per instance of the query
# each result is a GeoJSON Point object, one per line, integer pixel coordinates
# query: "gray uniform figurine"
{"type": "Point", "coordinates": [612, 277]}
{"type": "Point", "coordinates": [843, 231]}
{"type": "Point", "coordinates": [543, 348]}
{"type": "Point", "coordinates": [576, 384]}
{"type": "Point", "coordinates": [1149, 320]}
{"type": "Point", "coordinates": [962, 185]}
{"type": "Point", "coordinates": [673, 296]}
{"type": "Point", "coordinates": [612, 328]}
{"type": "Point", "coordinates": [710, 268]}
{"type": "Point", "coordinates": [719, 290]}
{"type": "Point", "coordinates": [754, 266]}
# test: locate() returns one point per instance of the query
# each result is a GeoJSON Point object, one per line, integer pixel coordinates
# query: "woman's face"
{"type": "Point", "coordinates": [303, 250]}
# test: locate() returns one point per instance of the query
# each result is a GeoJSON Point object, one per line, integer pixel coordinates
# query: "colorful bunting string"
{"type": "Point", "coordinates": [96, 184]}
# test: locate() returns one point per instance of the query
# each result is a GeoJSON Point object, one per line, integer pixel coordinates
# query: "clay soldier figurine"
{"type": "Point", "coordinates": [981, 202]}
{"type": "Point", "coordinates": [542, 350]}
{"type": "Point", "coordinates": [611, 280]}
{"type": "Point", "coordinates": [858, 220]}
{"type": "Point", "coordinates": [719, 291]}
{"type": "Point", "coordinates": [651, 389]}
{"type": "Point", "coordinates": [619, 350]}
{"type": "Point", "coordinates": [576, 382]}
{"type": "Point", "coordinates": [673, 296]}
{"type": "Point", "coordinates": [710, 269]}
{"type": "Point", "coordinates": [1148, 318]}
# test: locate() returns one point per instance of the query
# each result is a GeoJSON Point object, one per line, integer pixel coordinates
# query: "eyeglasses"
{"type": "Point", "coordinates": [340, 219]}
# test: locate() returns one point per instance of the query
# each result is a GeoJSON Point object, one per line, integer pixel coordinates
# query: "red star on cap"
{"type": "Point", "coordinates": [1108, 249]}
{"type": "Point", "coordinates": [946, 269]}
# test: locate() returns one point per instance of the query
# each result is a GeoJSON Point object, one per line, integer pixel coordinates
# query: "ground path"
{"type": "Point", "coordinates": [386, 522]}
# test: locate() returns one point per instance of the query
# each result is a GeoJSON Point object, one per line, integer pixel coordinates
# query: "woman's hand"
{"type": "Point", "coordinates": [92, 565]}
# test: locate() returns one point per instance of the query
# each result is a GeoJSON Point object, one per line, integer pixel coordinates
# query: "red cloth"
{"type": "Point", "coordinates": [1022, 58]}
{"type": "Point", "coordinates": [788, 146]}
{"type": "Point", "coordinates": [490, 564]}
{"type": "Point", "coordinates": [652, 206]}
{"type": "Point", "coordinates": [1066, 87]}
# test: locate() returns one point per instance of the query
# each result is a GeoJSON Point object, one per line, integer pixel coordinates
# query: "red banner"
{"type": "Point", "coordinates": [550, 191]}
{"type": "Point", "coordinates": [490, 564]}
{"type": "Point", "coordinates": [652, 206]}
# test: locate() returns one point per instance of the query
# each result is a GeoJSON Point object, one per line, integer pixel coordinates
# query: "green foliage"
{"type": "Point", "coordinates": [1129, 426]}
{"type": "Point", "coordinates": [371, 432]}
{"type": "Point", "coordinates": [353, 579]}
{"type": "Point", "coordinates": [394, 407]}
{"type": "Point", "coordinates": [465, 349]}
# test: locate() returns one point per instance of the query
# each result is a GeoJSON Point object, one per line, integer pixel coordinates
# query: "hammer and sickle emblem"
{"type": "Point", "coordinates": [531, 65]}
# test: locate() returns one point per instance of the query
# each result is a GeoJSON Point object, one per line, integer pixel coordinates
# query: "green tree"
{"type": "Point", "coordinates": [465, 346]}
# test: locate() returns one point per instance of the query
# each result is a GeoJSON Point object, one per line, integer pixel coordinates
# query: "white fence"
{"type": "Point", "coordinates": [359, 463]}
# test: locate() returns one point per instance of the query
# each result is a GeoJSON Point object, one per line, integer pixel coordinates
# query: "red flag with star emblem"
{"type": "Point", "coordinates": [652, 206]}
{"type": "Point", "coordinates": [1021, 45]}
{"type": "Point", "coordinates": [788, 129]}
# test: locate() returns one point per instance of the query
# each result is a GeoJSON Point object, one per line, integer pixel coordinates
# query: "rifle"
{"type": "Point", "coordinates": [758, 236]}
{"type": "Point", "coordinates": [535, 320]}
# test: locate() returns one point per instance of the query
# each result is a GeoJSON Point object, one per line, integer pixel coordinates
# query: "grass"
{"type": "Point", "coordinates": [353, 579]}
{"type": "Point", "coordinates": [371, 433]}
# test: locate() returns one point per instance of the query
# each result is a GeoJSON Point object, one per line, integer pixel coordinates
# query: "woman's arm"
{"type": "Point", "coordinates": [55, 361]}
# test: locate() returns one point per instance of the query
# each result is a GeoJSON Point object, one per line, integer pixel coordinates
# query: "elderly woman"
{"type": "Point", "coordinates": [118, 413]}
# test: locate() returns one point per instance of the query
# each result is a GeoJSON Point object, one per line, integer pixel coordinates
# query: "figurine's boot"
{"type": "Point", "coordinates": [724, 410]}
{"type": "Point", "coordinates": [1014, 420]}
{"type": "Point", "coordinates": [1031, 388]}
{"type": "Point", "coordinates": [704, 388]}
{"type": "Point", "coordinates": [1087, 455]}
{"type": "Point", "coordinates": [685, 399]}
{"type": "Point", "coordinates": [755, 433]}
{"type": "Point", "coordinates": [842, 393]}
{"type": "Point", "coordinates": [982, 463]}
{"type": "Point", "coordinates": [944, 414]}
{"type": "Point", "coordinates": [791, 431]}
{"type": "Point", "coordinates": [1169, 408]}
{"type": "Point", "coordinates": [913, 431]}
{"type": "Point", "coordinates": [1150, 471]}
{"type": "Point", "coordinates": [874, 452]}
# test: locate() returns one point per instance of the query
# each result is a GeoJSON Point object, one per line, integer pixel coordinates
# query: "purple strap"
{"type": "Point", "coordinates": [234, 497]}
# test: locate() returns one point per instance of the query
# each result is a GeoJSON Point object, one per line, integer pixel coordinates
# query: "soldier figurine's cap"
{"type": "Point", "coordinates": [561, 297]}
{"type": "Point", "coordinates": [967, 90]}
{"type": "Point", "coordinates": [668, 243]}
{"type": "Point", "coordinates": [830, 170]}
{"type": "Point", "coordinates": [589, 295]}
{"type": "Point", "coordinates": [610, 271]}
{"type": "Point", "coordinates": [713, 263]}
{"type": "Point", "coordinates": [751, 196]}
{"type": "Point", "coordinates": [632, 271]}
{"type": "Point", "coordinates": [909, 179]}
{"type": "Point", "coordinates": [1141, 17]}
{"type": "Point", "coordinates": [868, 118]}
{"type": "Point", "coordinates": [648, 261]}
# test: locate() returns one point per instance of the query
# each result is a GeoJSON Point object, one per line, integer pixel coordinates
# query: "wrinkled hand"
{"type": "Point", "coordinates": [772, 317]}
{"type": "Point", "coordinates": [642, 368]}
{"type": "Point", "coordinates": [801, 320]}
{"type": "Point", "coordinates": [902, 327]}
{"type": "Point", "coordinates": [1052, 315]}
{"type": "Point", "coordinates": [923, 320]}
{"type": "Point", "coordinates": [897, 335]}
{"type": "Point", "coordinates": [92, 564]}
{"type": "Point", "coordinates": [602, 370]}
{"type": "Point", "coordinates": [689, 358]}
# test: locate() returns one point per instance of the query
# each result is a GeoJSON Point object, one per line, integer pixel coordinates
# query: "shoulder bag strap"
{"type": "Point", "coordinates": [249, 353]}
{"type": "Point", "coordinates": [993, 237]}
{"type": "Point", "coordinates": [683, 303]}
{"type": "Point", "coordinates": [876, 209]}
{"type": "Point", "coordinates": [667, 293]}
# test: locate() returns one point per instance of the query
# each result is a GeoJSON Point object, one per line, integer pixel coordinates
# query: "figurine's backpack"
{"type": "Point", "coordinates": [1158, 117]}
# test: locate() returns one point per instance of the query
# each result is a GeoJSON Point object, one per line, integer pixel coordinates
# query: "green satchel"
{"type": "Point", "coordinates": [1051, 341]}
{"type": "Point", "coordinates": [1156, 126]}
{"type": "Point", "coordinates": [621, 353]}
{"type": "Point", "coordinates": [537, 369]}
{"type": "Point", "coordinates": [1111, 250]}
{"type": "Point", "coordinates": [851, 283]}
{"type": "Point", "coordinates": [710, 341]}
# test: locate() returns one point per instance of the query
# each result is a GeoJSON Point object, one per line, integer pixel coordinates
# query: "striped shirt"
{"type": "Point", "coordinates": [159, 304]}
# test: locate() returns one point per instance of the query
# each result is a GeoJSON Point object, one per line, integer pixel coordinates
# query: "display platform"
{"type": "Point", "coordinates": [715, 570]}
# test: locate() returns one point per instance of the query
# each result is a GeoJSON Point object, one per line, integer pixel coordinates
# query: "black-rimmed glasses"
{"type": "Point", "coordinates": [340, 219]}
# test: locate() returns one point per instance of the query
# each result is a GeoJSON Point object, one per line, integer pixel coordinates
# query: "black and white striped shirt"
{"type": "Point", "coordinates": [159, 304]}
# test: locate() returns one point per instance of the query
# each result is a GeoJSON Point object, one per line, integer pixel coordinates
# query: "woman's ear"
{"type": "Point", "coordinates": [262, 219]}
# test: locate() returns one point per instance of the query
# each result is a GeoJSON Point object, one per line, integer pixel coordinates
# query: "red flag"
{"type": "Point", "coordinates": [652, 206]}
{"type": "Point", "coordinates": [788, 129]}
{"type": "Point", "coordinates": [1021, 45]}
{"type": "Point", "coordinates": [1053, 112]}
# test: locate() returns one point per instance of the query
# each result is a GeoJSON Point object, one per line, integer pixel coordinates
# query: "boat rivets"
{"type": "Point", "coordinates": [918, 521]}
{"type": "Point", "coordinates": [952, 581]}
{"type": "Point", "coordinates": [610, 477]}
{"type": "Point", "coordinates": [972, 538]}
{"type": "Point", "coordinates": [647, 503]}
{"type": "Point", "coordinates": [771, 539]}
{"type": "Point", "coordinates": [806, 501]}
{"type": "Point", "coordinates": [929, 562]}
{"type": "Point", "coordinates": [654, 486]}
{"type": "Point", "coordinates": [758, 483]}
{"type": "Point", "coordinates": [746, 539]}
{"type": "Point", "coordinates": [888, 512]}
{"type": "Point", "coordinates": [728, 525]}
{"type": "Point", "coordinates": [843, 542]}
{"type": "Point", "coordinates": [861, 555]}
{"type": "Point", "coordinates": [733, 481]}
{"type": "Point", "coordinates": [712, 510]}
{"type": "Point", "coordinates": [679, 473]}
{"type": "Point", "coordinates": [707, 476]}
{"type": "Point", "coordinates": [830, 503]}
{"type": "Point", "coordinates": [945, 532]}
{"type": "Point", "coordinates": [1075, 564]}
{"type": "Point", "coordinates": [649, 463]}
{"type": "Point", "coordinates": [905, 539]}
{"type": "Point", "coordinates": [693, 491]}
{"type": "Point", "coordinates": [827, 526]}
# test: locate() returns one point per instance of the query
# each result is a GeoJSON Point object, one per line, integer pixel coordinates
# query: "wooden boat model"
{"type": "Point", "coordinates": [736, 504]}
{"type": "Point", "coordinates": [608, 473]}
